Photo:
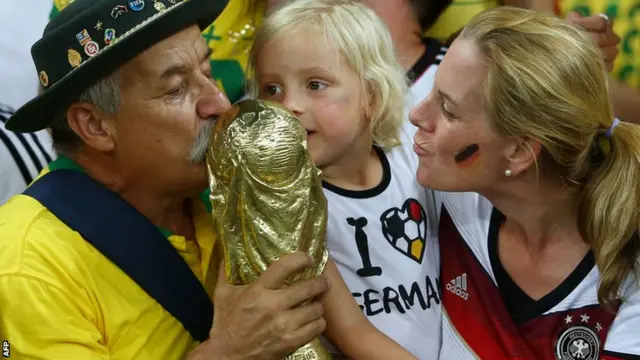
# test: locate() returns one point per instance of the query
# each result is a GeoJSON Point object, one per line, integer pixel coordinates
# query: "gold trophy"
{"type": "Point", "coordinates": [266, 195]}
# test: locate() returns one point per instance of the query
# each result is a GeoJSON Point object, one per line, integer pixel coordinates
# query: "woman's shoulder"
{"type": "Point", "coordinates": [467, 205]}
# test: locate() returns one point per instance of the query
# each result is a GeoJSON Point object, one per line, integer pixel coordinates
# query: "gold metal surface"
{"type": "Point", "coordinates": [266, 195]}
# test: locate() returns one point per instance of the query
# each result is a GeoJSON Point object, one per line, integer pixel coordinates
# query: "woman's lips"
{"type": "Point", "coordinates": [419, 147]}
{"type": "Point", "coordinates": [419, 151]}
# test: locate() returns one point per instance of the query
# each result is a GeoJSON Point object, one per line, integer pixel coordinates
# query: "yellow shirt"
{"type": "Point", "coordinates": [457, 16]}
{"type": "Point", "coordinates": [230, 37]}
{"type": "Point", "coordinates": [626, 17]}
{"type": "Point", "coordinates": [62, 299]}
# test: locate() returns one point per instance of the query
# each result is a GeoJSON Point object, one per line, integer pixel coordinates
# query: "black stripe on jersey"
{"type": "Point", "coordinates": [16, 157]}
{"type": "Point", "coordinates": [433, 48]}
{"type": "Point", "coordinates": [621, 356]}
{"type": "Point", "coordinates": [34, 158]}
{"type": "Point", "coordinates": [5, 112]}
{"type": "Point", "coordinates": [35, 139]}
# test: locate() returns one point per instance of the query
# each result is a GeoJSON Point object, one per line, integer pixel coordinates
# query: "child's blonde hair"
{"type": "Point", "coordinates": [363, 39]}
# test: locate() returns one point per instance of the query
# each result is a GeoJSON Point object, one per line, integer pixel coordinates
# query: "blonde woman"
{"type": "Point", "coordinates": [540, 257]}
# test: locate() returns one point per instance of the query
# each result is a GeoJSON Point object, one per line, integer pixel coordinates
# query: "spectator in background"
{"type": "Point", "coordinates": [407, 21]}
{"type": "Point", "coordinates": [456, 17]}
{"type": "Point", "coordinates": [22, 157]}
{"type": "Point", "coordinates": [625, 78]}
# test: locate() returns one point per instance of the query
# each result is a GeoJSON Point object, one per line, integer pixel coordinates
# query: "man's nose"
{"type": "Point", "coordinates": [214, 103]}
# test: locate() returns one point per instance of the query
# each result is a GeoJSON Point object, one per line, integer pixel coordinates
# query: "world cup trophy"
{"type": "Point", "coordinates": [266, 195]}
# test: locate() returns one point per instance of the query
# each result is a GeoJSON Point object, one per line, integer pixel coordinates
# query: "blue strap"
{"type": "Point", "coordinates": [130, 241]}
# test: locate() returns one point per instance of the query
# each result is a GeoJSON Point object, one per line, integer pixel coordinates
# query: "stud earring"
{"type": "Point", "coordinates": [507, 172]}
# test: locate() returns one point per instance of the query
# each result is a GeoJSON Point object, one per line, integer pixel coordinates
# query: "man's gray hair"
{"type": "Point", "coordinates": [105, 95]}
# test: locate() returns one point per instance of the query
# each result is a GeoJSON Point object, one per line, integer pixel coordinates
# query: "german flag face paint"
{"type": "Point", "coordinates": [467, 156]}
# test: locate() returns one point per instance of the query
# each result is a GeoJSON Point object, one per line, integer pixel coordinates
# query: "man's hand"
{"type": "Point", "coordinates": [601, 30]}
{"type": "Point", "coordinates": [266, 320]}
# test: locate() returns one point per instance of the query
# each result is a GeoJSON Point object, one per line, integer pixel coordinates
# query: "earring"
{"type": "Point", "coordinates": [507, 172]}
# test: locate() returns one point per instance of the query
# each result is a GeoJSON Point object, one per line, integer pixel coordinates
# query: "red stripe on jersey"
{"type": "Point", "coordinates": [475, 308]}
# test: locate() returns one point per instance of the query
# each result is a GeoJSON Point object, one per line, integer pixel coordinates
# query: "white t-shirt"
{"type": "Point", "coordinates": [384, 240]}
{"type": "Point", "coordinates": [566, 324]}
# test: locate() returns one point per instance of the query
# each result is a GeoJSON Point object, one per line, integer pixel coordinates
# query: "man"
{"type": "Point", "coordinates": [105, 256]}
{"type": "Point", "coordinates": [22, 156]}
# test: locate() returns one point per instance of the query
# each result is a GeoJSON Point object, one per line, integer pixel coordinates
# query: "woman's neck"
{"type": "Point", "coordinates": [537, 212]}
{"type": "Point", "coordinates": [360, 169]}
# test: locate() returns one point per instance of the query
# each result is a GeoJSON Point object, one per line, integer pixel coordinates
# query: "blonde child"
{"type": "Point", "coordinates": [332, 63]}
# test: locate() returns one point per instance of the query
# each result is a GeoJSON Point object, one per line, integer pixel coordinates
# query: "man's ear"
{"type": "Point", "coordinates": [522, 154]}
{"type": "Point", "coordinates": [92, 126]}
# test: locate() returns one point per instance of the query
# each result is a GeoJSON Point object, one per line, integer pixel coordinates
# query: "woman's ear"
{"type": "Point", "coordinates": [522, 154]}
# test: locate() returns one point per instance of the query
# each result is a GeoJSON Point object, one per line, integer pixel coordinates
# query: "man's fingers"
{"type": "Point", "coordinates": [303, 291]}
{"type": "Point", "coordinates": [274, 277]}
{"type": "Point", "coordinates": [303, 315]}
{"type": "Point", "coordinates": [306, 333]}
{"type": "Point", "coordinates": [592, 23]}
{"type": "Point", "coordinates": [603, 39]}
{"type": "Point", "coordinates": [222, 284]}
{"type": "Point", "coordinates": [571, 17]}
{"type": "Point", "coordinates": [609, 58]}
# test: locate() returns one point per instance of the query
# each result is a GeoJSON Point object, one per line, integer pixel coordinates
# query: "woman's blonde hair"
{"type": "Point", "coordinates": [547, 81]}
{"type": "Point", "coordinates": [364, 41]}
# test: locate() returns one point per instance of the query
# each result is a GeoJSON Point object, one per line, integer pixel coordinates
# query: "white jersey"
{"type": "Point", "coordinates": [384, 241]}
{"type": "Point", "coordinates": [22, 157]}
{"type": "Point", "coordinates": [566, 324]}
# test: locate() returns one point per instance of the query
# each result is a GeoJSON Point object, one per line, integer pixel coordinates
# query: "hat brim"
{"type": "Point", "coordinates": [38, 113]}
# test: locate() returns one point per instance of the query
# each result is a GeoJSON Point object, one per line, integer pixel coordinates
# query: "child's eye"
{"type": "Point", "coordinates": [272, 90]}
{"type": "Point", "coordinates": [316, 85]}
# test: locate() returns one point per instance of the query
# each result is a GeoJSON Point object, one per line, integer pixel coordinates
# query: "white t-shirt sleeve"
{"type": "Point", "coordinates": [623, 339]}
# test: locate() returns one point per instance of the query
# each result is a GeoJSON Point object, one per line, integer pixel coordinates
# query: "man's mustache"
{"type": "Point", "coordinates": [199, 150]}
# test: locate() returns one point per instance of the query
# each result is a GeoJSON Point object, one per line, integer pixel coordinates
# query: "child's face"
{"type": "Point", "coordinates": [314, 81]}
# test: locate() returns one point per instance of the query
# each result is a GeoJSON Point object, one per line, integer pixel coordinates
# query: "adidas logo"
{"type": "Point", "coordinates": [458, 286]}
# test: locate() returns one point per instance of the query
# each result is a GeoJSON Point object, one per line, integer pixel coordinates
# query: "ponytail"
{"type": "Point", "coordinates": [609, 210]}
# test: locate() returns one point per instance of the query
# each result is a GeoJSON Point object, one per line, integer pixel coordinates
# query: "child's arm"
{"type": "Point", "coordinates": [350, 330]}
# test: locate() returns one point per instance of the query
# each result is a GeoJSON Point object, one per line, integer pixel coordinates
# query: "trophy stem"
{"type": "Point", "coordinates": [311, 351]}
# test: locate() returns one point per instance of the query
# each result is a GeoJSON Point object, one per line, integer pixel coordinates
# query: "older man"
{"type": "Point", "coordinates": [105, 256]}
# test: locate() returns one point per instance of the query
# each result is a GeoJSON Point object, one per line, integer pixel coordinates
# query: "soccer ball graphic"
{"type": "Point", "coordinates": [405, 229]}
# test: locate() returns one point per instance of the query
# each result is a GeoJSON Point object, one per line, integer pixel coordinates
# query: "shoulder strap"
{"type": "Point", "coordinates": [130, 241]}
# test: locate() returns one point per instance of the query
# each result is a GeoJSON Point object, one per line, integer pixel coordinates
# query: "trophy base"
{"type": "Point", "coordinates": [311, 351]}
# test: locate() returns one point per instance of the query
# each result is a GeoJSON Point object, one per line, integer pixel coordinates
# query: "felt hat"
{"type": "Point", "coordinates": [90, 39]}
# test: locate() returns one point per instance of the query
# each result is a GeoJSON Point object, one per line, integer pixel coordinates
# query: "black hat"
{"type": "Point", "coordinates": [89, 39]}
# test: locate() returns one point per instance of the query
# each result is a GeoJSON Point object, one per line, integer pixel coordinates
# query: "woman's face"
{"type": "Point", "coordinates": [455, 142]}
